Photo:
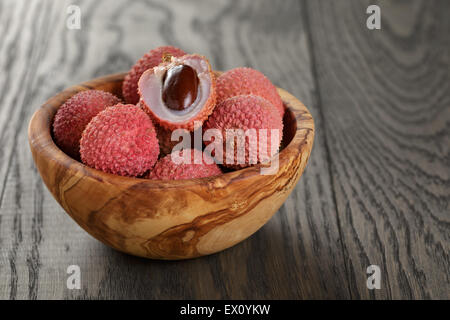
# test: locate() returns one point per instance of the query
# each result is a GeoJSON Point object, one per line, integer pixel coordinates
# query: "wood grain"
{"type": "Point", "coordinates": [384, 90]}
{"type": "Point", "coordinates": [385, 99]}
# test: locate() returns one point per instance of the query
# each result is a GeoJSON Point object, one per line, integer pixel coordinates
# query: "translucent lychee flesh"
{"type": "Point", "coordinates": [180, 93]}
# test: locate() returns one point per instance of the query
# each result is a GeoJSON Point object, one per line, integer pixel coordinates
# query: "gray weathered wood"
{"type": "Point", "coordinates": [384, 97]}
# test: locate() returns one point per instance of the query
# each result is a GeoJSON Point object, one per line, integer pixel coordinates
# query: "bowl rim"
{"type": "Point", "coordinates": [41, 141]}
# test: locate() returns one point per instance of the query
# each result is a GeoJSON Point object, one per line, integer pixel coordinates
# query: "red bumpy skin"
{"type": "Point", "coordinates": [150, 90]}
{"type": "Point", "coordinates": [246, 112]}
{"type": "Point", "coordinates": [74, 115]}
{"type": "Point", "coordinates": [245, 81]}
{"type": "Point", "coordinates": [148, 61]}
{"type": "Point", "coordinates": [120, 140]}
{"type": "Point", "coordinates": [167, 169]}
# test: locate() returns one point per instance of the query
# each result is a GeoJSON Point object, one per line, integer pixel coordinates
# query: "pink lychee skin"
{"type": "Point", "coordinates": [167, 169]}
{"type": "Point", "coordinates": [148, 61]}
{"type": "Point", "coordinates": [74, 115]}
{"type": "Point", "coordinates": [120, 140]}
{"type": "Point", "coordinates": [245, 112]}
{"type": "Point", "coordinates": [247, 81]}
{"type": "Point", "coordinates": [189, 124]}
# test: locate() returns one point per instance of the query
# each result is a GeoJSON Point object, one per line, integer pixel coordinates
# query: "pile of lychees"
{"type": "Point", "coordinates": [168, 90]}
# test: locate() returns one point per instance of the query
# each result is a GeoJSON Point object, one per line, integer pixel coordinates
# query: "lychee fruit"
{"type": "Point", "coordinates": [244, 81]}
{"type": "Point", "coordinates": [74, 115]}
{"type": "Point", "coordinates": [252, 123]}
{"type": "Point", "coordinates": [180, 93]}
{"type": "Point", "coordinates": [120, 140]}
{"type": "Point", "coordinates": [177, 168]}
{"type": "Point", "coordinates": [148, 61]}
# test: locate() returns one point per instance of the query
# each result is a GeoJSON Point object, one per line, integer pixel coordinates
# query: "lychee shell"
{"type": "Point", "coordinates": [120, 140]}
{"type": "Point", "coordinates": [167, 169]}
{"type": "Point", "coordinates": [244, 81]}
{"type": "Point", "coordinates": [148, 61]}
{"type": "Point", "coordinates": [200, 117]}
{"type": "Point", "coordinates": [74, 115]}
{"type": "Point", "coordinates": [245, 112]}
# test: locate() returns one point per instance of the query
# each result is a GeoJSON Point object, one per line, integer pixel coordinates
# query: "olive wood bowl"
{"type": "Point", "coordinates": [168, 219]}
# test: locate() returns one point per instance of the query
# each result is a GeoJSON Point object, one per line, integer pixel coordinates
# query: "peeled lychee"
{"type": "Point", "coordinates": [167, 168]}
{"type": "Point", "coordinates": [74, 115]}
{"type": "Point", "coordinates": [179, 93]}
{"type": "Point", "coordinates": [120, 140]}
{"type": "Point", "coordinates": [242, 81]}
{"type": "Point", "coordinates": [246, 117]}
{"type": "Point", "coordinates": [148, 61]}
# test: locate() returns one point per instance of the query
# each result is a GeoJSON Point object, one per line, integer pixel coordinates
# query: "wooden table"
{"type": "Point", "coordinates": [376, 189]}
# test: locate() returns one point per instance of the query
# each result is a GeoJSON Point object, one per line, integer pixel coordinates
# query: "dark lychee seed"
{"type": "Point", "coordinates": [180, 87]}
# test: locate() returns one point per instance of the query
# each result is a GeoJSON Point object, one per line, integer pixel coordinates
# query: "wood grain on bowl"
{"type": "Point", "coordinates": [169, 219]}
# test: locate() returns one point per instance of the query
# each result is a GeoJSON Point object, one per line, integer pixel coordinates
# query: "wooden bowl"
{"type": "Point", "coordinates": [168, 219]}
